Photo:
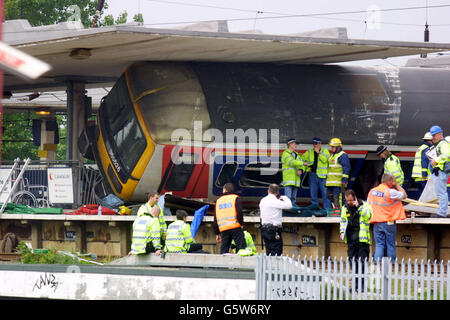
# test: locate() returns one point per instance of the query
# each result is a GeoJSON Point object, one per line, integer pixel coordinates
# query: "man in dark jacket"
{"type": "Point", "coordinates": [355, 230]}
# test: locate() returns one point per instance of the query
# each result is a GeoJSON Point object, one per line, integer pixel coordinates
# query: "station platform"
{"type": "Point", "coordinates": [110, 235]}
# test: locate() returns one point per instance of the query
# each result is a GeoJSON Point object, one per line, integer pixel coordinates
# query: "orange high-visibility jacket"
{"type": "Point", "coordinates": [226, 213]}
{"type": "Point", "coordinates": [384, 209]}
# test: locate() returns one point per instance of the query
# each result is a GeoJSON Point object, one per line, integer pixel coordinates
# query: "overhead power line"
{"type": "Point", "coordinates": [322, 15]}
{"type": "Point", "coordinates": [285, 15]}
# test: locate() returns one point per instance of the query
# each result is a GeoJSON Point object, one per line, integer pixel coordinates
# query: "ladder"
{"type": "Point", "coordinates": [12, 191]}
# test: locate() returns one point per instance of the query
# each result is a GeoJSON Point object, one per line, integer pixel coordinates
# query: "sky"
{"type": "Point", "coordinates": [375, 20]}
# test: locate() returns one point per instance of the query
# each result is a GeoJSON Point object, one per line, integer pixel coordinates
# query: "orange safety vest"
{"type": "Point", "coordinates": [226, 213]}
{"type": "Point", "coordinates": [384, 209]}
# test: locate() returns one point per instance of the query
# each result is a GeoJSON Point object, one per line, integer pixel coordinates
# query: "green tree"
{"type": "Point", "coordinates": [17, 137]}
{"type": "Point", "coordinates": [48, 12]}
{"type": "Point", "coordinates": [62, 145]}
{"type": "Point", "coordinates": [108, 20]}
{"type": "Point", "coordinates": [138, 18]}
{"type": "Point", "coordinates": [122, 18]}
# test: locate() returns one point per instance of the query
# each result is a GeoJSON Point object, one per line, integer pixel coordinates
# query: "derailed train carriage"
{"type": "Point", "coordinates": [165, 125]}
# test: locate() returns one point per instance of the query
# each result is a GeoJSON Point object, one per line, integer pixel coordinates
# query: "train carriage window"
{"type": "Point", "coordinates": [181, 172]}
{"type": "Point", "coordinates": [260, 175]}
{"type": "Point", "coordinates": [226, 173]}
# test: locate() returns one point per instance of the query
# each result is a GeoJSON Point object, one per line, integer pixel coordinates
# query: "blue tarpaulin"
{"type": "Point", "coordinates": [198, 217]}
{"type": "Point", "coordinates": [161, 203]}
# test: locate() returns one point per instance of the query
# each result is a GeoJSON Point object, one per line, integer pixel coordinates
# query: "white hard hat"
{"type": "Point", "coordinates": [447, 138]}
{"type": "Point", "coordinates": [427, 136]}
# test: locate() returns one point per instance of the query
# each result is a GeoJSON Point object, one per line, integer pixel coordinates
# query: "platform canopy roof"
{"type": "Point", "coordinates": [100, 55]}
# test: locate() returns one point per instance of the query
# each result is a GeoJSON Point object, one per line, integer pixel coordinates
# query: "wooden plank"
{"type": "Point", "coordinates": [10, 256]}
{"type": "Point", "coordinates": [53, 230]}
{"type": "Point", "coordinates": [445, 237]}
{"type": "Point", "coordinates": [433, 250]}
{"type": "Point", "coordinates": [411, 236]}
{"type": "Point", "coordinates": [411, 253]}
{"type": "Point", "coordinates": [444, 254]}
{"type": "Point", "coordinates": [338, 250]}
{"type": "Point", "coordinates": [59, 245]}
{"type": "Point", "coordinates": [80, 238]}
{"type": "Point", "coordinates": [324, 240]}
{"type": "Point", "coordinates": [125, 238]}
{"type": "Point", "coordinates": [104, 249]}
{"type": "Point", "coordinates": [36, 234]}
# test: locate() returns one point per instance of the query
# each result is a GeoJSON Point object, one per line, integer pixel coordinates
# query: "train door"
{"type": "Point", "coordinates": [184, 172]}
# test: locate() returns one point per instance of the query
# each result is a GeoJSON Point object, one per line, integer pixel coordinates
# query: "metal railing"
{"type": "Point", "coordinates": [33, 183]}
{"type": "Point", "coordinates": [285, 278]}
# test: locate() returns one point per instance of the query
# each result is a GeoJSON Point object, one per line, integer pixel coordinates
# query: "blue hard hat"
{"type": "Point", "coordinates": [435, 129]}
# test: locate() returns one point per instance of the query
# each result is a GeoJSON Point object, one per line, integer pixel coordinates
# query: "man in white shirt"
{"type": "Point", "coordinates": [271, 209]}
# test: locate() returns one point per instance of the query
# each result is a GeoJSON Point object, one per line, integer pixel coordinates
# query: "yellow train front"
{"type": "Point", "coordinates": [172, 126]}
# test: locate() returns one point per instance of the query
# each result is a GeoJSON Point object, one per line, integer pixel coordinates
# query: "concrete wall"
{"type": "Point", "coordinates": [89, 283]}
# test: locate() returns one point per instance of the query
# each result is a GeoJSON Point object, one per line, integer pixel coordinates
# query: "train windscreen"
{"type": "Point", "coordinates": [123, 136]}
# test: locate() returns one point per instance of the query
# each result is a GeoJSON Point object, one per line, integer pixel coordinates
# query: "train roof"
{"type": "Point", "coordinates": [100, 55]}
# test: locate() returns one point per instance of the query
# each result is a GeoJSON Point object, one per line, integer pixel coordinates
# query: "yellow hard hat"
{"type": "Point", "coordinates": [124, 210]}
{"type": "Point", "coordinates": [335, 142]}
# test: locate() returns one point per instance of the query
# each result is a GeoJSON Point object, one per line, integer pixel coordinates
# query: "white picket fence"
{"type": "Point", "coordinates": [286, 278]}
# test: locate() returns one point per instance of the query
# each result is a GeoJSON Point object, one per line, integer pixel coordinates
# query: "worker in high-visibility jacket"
{"type": "Point", "coordinates": [338, 173]}
{"type": "Point", "coordinates": [440, 169]}
{"type": "Point", "coordinates": [229, 219]}
{"type": "Point", "coordinates": [146, 236]}
{"type": "Point", "coordinates": [152, 202]}
{"type": "Point", "coordinates": [179, 237]}
{"type": "Point", "coordinates": [386, 202]}
{"type": "Point", "coordinates": [250, 250]}
{"type": "Point", "coordinates": [448, 179]}
{"type": "Point", "coordinates": [316, 162]}
{"type": "Point", "coordinates": [392, 164]}
{"type": "Point", "coordinates": [292, 167]}
{"type": "Point", "coordinates": [355, 229]}
{"type": "Point", "coordinates": [421, 169]}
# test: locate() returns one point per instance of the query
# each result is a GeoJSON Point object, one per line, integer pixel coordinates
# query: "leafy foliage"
{"type": "Point", "coordinates": [17, 137]}
{"type": "Point", "coordinates": [47, 12]}
{"type": "Point", "coordinates": [47, 256]}
{"type": "Point", "coordinates": [138, 18]}
{"type": "Point", "coordinates": [122, 18]}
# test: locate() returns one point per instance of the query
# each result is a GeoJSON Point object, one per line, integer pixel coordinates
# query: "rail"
{"type": "Point", "coordinates": [285, 278]}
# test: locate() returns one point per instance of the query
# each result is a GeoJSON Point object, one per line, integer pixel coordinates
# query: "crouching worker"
{"type": "Point", "coordinates": [147, 233]}
{"type": "Point", "coordinates": [179, 237]}
{"type": "Point", "coordinates": [250, 250]}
